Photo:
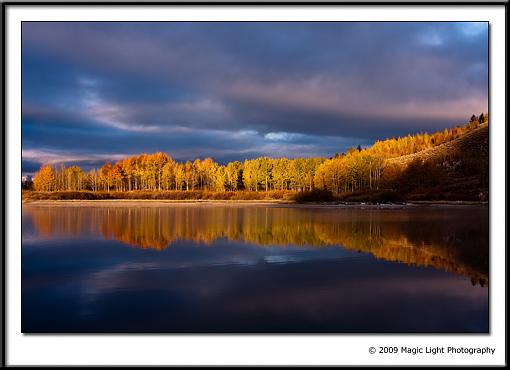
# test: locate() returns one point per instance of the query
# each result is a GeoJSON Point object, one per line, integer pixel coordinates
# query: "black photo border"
{"type": "Point", "coordinates": [198, 4]}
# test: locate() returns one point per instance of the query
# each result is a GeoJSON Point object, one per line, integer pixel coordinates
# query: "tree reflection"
{"type": "Point", "coordinates": [452, 240]}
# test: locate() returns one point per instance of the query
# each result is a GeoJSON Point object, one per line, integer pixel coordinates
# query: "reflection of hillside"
{"type": "Point", "coordinates": [452, 240]}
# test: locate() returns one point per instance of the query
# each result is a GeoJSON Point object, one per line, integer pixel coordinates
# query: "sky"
{"type": "Point", "coordinates": [234, 91]}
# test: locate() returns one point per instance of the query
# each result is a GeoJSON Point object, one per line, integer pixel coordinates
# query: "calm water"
{"type": "Point", "coordinates": [254, 269]}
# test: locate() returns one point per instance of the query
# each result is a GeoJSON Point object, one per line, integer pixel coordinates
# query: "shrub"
{"type": "Point", "coordinates": [315, 195]}
{"type": "Point", "coordinates": [383, 196]}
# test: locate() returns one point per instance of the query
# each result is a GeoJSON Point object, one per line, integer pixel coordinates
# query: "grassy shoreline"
{"type": "Point", "coordinates": [247, 203]}
{"type": "Point", "coordinates": [275, 196]}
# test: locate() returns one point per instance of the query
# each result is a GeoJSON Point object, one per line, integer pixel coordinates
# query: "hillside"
{"type": "Point", "coordinates": [458, 169]}
{"type": "Point", "coordinates": [473, 143]}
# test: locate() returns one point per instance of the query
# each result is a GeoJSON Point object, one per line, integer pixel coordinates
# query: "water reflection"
{"type": "Point", "coordinates": [453, 239]}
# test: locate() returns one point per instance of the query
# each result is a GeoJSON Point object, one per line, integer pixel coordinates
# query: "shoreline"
{"type": "Point", "coordinates": [247, 203]}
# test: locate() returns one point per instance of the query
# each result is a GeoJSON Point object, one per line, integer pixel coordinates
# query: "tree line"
{"type": "Point", "coordinates": [158, 172]}
{"type": "Point", "coordinates": [357, 169]}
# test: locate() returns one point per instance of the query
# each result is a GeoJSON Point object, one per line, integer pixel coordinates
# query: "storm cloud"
{"type": "Point", "coordinates": [237, 90]}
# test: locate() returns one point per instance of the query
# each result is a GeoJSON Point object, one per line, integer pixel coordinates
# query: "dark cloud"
{"type": "Point", "coordinates": [29, 166]}
{"type": "Point", "coordinates": [236, 90]}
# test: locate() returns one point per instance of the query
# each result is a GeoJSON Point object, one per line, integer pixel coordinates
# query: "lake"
{"type": "Point", "coordinates": [215, 268]}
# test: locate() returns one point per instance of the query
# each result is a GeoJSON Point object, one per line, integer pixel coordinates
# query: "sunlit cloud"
{"type": "Point", "coordinates": [54, 157]}
{"type": "Point", "coordinates": [282, 136]}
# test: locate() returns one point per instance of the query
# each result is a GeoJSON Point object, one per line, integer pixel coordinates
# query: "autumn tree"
{"type": "Point", "coordinates": [117, 176]}
{"type": "Point", "coordinates": [250, 175]}
{"type": "Point", "coordinates": [179, 176]}
{"type": "Point", "coordinates": [219, 178]}
{"type": "Point", "coordinates": [45, 179]}
{"type": "Point", "coordinates": [264, 173]}
{"type": "Point", "coordinates": [105, 176]}
{"type": "Point", "coordinates": [168, 174]}
{"type": "Point", "coordinates": [281, 173]}
{"type": "Point", "coordinates": [93, 179]}
{"type": "Point", "coordinates": [233, 176]}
